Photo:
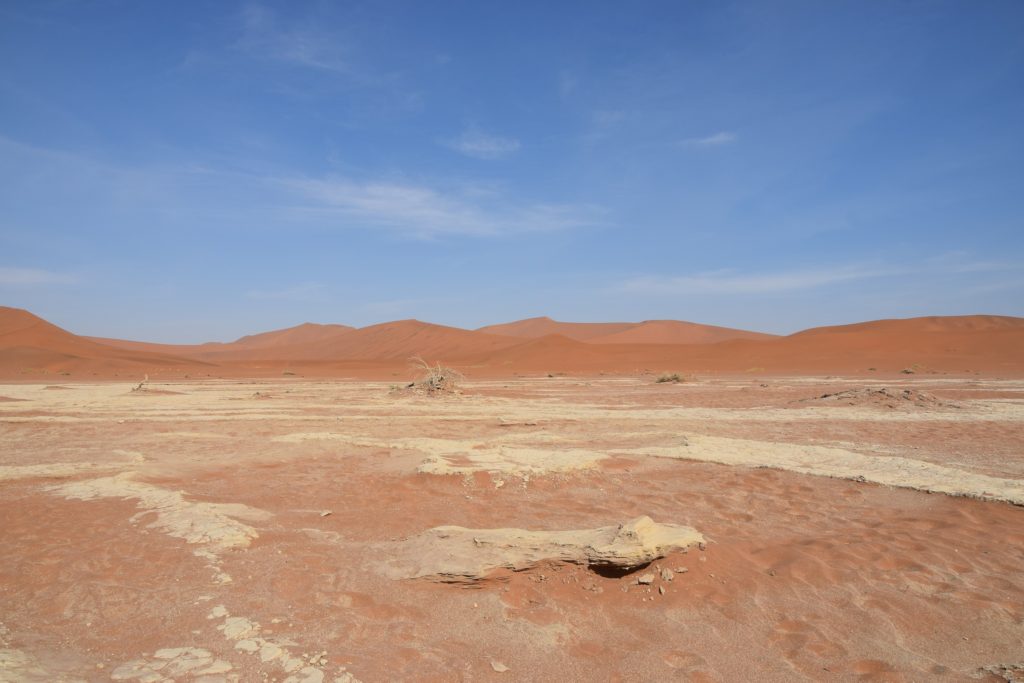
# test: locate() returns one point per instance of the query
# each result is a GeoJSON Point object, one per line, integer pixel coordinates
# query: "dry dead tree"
{"type": "Point", "coordinates": [434, 378]}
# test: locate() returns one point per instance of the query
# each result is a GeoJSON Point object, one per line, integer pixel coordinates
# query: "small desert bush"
{"type": "Point", "coordinates": [665, 378]}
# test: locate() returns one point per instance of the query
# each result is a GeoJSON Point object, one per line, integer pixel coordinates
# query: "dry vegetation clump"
{"type": "Point", "coordinates": [434, 379]}
{"type": "Point", "coordinates": [669, 378]}
{"type": "Point", "coordinates": [883, 398]}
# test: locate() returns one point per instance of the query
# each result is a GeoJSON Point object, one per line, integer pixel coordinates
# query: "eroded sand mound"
{"type": "Point", "coordinates": [454, 554]}
{"type": "Point", "coordinates": [883, 398]}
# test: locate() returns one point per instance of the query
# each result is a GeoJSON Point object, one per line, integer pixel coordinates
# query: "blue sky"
{"type": "Point", "coordinates": [191, 171]}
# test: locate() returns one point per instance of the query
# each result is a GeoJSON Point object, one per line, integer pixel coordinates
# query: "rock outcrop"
{"type": "Point", "coordinates": [454, 554]}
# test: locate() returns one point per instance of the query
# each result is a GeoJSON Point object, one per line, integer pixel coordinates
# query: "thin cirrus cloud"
{"type": "Point", "coordinates": [480, 145]}
{"type": "Point", "coordinates": [262, 35]}
{"type": "Point", "coordinates": [413, 209]}
{"type": "Point", "coordinates": [427, 212]}
{"type": "Point", "coordinates": [716, 140]}
{"type": "Point", "coordinates": [730, 282]}
{"type": "Point", "coordinates": [28, 277]}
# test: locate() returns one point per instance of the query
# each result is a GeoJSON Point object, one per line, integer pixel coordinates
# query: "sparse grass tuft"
{"type": "Point", "coordinates": [665, 378]}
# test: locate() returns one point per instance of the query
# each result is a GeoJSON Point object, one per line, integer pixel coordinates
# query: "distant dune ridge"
{"type": "Point", "coordinates": [646, 332]}
{"type": "Point", "coordinates": [32, 347]}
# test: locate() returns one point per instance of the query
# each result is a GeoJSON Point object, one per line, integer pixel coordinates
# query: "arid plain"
{"type": "Point", "coordinates": [839, 504]}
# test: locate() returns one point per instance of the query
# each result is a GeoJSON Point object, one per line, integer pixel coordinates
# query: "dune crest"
{"type": "Point", "coordinates": [981, 344]}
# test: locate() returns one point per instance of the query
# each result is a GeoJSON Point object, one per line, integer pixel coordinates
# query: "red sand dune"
{"type": "Point", "coordinates": [534, 328]}
{"type": "Point", "coordinates": [646, 332]}
{"type": "Point", "coordinates": [404, 339]}
{"type": "Point", "coordinates": [399, 340]}
{"type": "Point", "coordinates": [677, 332]}
{"type": "Point", "coordinates": [927, 324]}
{"type": "Point", "coordinates": [30, 345]}
{"type": "Point", "coordinates": [306, 333]}
{"type": "Point", "coordinates": [287, 343]}
{"type": "Point", "coordinates": [962, 345]}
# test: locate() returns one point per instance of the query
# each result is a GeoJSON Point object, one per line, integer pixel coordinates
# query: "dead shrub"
{"type": "Point", "coordinates": [434, 379]}
{"type": "Point", "coordinates": [666, 378]}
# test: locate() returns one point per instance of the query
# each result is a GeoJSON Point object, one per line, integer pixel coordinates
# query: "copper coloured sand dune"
{"type": "Point", "coordinates": [964, 345]}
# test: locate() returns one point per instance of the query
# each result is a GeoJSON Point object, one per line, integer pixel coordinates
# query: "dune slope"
{"type": "Point", "coordinates": [29, 344]}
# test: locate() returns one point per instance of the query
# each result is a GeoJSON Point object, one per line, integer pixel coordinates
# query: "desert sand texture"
{"type": "Point", "coordinates": [519, 528]}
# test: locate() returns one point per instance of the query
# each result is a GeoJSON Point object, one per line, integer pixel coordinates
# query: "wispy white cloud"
{"type": "Point", "coordinates": [307, 291]}
{"type": "Point", "coordinates": [426, 212]}
{"type": "Point", "coordinates": [207, 195]}
{"type": "Point", "coordinates": [475, 143]}
{"type": "Point", "coordinates": [27, 277]}
{"type": "Point", "coordinates": [716, 140]}
{"type": "Point", "coordinates": [264, 36]}
{"type": "Point", "coordinates": [732, 282]}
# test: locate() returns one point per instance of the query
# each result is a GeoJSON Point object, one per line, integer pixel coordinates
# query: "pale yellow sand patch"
{"type": "Point", "coordinates": [842, 464]}
{"type": "Point", "coordinates": [212, 524]}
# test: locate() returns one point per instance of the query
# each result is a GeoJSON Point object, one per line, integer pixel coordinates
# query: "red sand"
{"type": "Point", "coordinates": [803, 578]}
{"type": "Point", "coordinates": [963, 345]}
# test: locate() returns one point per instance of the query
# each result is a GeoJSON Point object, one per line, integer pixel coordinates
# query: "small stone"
{"type": "Point", "coordinates": [681, 570]}
{"type": "Point", "coordinates": [666, 575]}
{"type": "Point", "coordinates": [771, 572]}
{"type": "Point", "coordinates": [270, 651]}
{"type": "Point", "coordinates": [325, 513]}
{"type": "Point", "coordinates": [247, 645]}
{"type": "Point", "coordinates": [498, 666]}
{"type": "Point", "coordinates": [218, 667]}
{"type": "Point", "coordinates": [239, 627]}
{"type": "Point", "coordinates": [702, 545]}
{"type": "Point", "coordinates": [661, 589]}
{"type": "Point", "coordinates": [645, 579]}
{"type": "Point", "coordinates": [292, 664]}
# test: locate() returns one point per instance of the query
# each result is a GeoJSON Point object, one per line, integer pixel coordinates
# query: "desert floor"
{"type": "Point", "coordinates": [275, 530]}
